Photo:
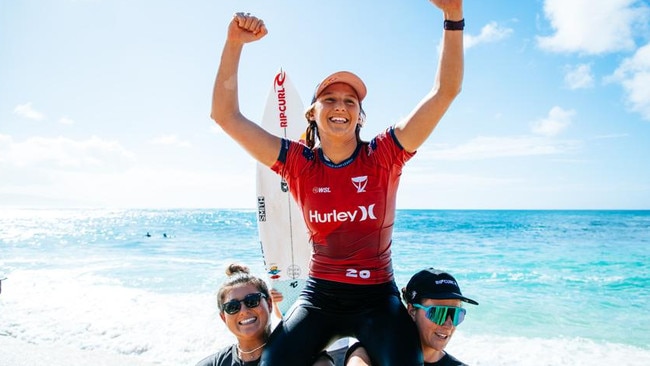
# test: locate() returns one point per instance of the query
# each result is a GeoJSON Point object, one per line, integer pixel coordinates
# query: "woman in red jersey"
{"type": "Point", "coordinates": [346, 189]}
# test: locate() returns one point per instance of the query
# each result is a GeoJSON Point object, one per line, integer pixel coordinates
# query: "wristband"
{"type": "Point", "coordinates": [454, 25]}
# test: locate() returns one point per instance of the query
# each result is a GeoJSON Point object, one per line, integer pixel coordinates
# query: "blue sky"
{"type": "Point", "coordinates": [105, 103]}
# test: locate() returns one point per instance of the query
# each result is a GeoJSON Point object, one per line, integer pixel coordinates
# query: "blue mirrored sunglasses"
{"type": "Point", "coordinates": [439, 314]}
{"type": "Point", "coordinates": [251, 301]}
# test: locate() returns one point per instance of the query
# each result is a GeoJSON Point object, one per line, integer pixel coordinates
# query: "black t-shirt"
{"type": "Point", "coordinates": [226, 357]}
{"type": "Point", "coordinates": [446, 360]}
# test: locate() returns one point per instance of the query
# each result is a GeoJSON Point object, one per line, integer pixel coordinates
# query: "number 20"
{"type": "Point", "coordinates": [351, 272]}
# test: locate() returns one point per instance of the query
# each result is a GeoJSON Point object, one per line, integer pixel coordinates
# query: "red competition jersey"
{"type": "Point", "coordinates": [349, 207]}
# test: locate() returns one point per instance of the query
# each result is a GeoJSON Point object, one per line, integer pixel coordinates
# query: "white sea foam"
{"type": "Point", "coordinates": [77, 311]}
{"type": "Point", "coordinates": [485, 350]}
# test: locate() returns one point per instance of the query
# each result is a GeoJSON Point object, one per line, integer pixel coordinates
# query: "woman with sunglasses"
{"type": "Point", "coordinates": [347, 191]}
{"type": "Point", "coordinates": [245, 306]}
{"type": "Point", "coordinates": [434, 303]}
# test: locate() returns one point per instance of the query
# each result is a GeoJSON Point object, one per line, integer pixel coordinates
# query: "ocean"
{"type": "Point", "coordinates": [137, 287]}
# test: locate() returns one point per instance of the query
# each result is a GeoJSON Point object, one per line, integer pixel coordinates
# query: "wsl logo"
{"type": "Point", "coordinates": [278, 87]}
{"type": "Point", "coordinates": [362, 214]}
{"type": "Point", "coordinates": [317, 190]}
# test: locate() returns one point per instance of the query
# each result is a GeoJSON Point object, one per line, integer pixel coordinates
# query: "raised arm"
{"type": "Point", "coordinates": [263, 146]}
{"type": "Point", "coordinates": [418, 125]}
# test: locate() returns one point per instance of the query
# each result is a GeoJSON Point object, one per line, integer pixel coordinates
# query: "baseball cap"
{"type": "Point", "coordinates": [342, 77]}
{"type": "Point", "coordinates": [432, 283]}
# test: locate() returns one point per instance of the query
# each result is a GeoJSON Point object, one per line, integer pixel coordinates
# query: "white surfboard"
{"type": "Point", "coordinates": [282, 230]}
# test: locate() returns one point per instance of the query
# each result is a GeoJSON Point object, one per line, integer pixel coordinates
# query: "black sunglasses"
{"type": "Point", "coordinates": [251, 301]}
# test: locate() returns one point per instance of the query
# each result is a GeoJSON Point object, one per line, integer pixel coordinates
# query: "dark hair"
{"type": "Point", "coordinates": [311, 134]}
{"type": "Point", "coordinates": [238, 274]}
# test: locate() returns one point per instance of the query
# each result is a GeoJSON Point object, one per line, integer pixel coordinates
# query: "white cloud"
{"type": "Point", "coordinates": [610, 136]}
{"type": "Point", "coordinates": [93, 154]}
{"type": "Point", "coordinates": [558, 120]}
{"type": "Point", "coordinates": [455, 180]}
{"type": "Point", "coordinates": [136, 187]}
{"type": "Point", "coordinates": [65, 120]}
{"type": "Point", "coordinates": [481, 148]}
{"type": "Point", "coordinates": [592, 26]}
{"type": "Point", "coordinates": [26, 111]}
{"type": "Point", "coordinates": [634, 75]}
{"type": "Point", "coordinates": [170, 140]}
{"type": "Point", "coordinates": [579, 77]}
{"type": "Point", "coordinates": [61, 172]}
{"type": "Point", "coordinates": [491, 32]}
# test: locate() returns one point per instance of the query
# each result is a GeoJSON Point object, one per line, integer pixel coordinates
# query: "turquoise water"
{"type": "Point", "coordinates": [576, 281]}
{"type": "Point", "coordinates": [546, 272]}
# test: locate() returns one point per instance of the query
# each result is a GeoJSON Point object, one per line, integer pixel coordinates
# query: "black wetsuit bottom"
{"type": "Point", "coordinates": [326, 311]}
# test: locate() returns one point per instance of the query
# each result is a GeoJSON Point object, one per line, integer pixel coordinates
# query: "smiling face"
{"type": "Point", "coordinates": [433, 337]}
{"type": "Point", "coordinates": [336, 112]}
{"type": "Point", "coordinates": [247, 324]}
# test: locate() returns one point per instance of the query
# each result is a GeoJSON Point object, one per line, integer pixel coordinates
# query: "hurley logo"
{"type": "Point", "coordinates": [362, 214]}
{"type": "Point", "coordinates": [360, 183]}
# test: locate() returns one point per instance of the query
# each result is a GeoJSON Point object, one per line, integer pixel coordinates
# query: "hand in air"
{"type": "Point", "coordinates": [246, 28]}
{"type": "Point", "coordinates": [276, 296]}
{"type": "Point", "coordinates": [448, 5]}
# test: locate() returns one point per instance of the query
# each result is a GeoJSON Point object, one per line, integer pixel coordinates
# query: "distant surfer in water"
{"type": "Point", "coordinates": [346, 189]}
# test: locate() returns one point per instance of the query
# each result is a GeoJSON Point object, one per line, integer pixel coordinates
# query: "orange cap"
{"type": "Point", "coordinates": [342, 77]}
